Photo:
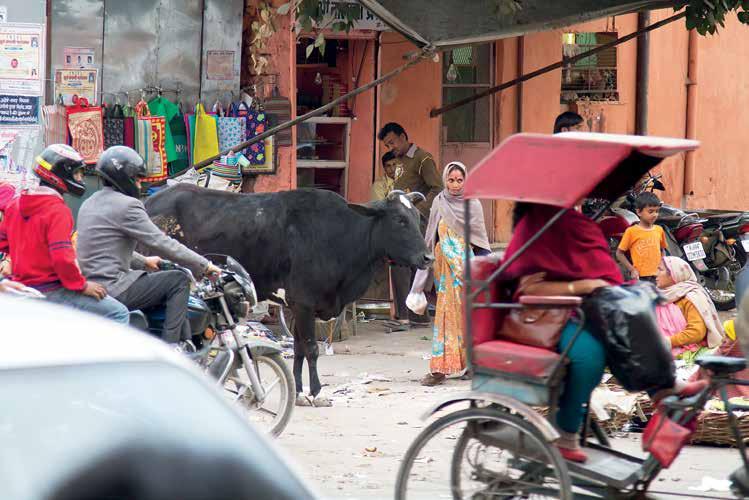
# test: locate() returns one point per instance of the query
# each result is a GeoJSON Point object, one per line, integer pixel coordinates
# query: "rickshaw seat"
{"type": "Point", "coordinates": [518, 359]}
{"type": "Point", "coordinates": [548, 300]}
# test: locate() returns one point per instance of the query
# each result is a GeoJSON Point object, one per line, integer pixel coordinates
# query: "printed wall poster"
{"type": "Point", "coordinates": [76, 82]}
{"type": "Point", "coordinates": [78, 57]}
{"type": "Point", "coordinates": [219, 65]}
{"type": "Point", "coordinates": [21, 59]}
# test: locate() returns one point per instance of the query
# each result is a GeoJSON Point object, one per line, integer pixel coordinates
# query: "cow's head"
{"type": "Point", "coordinates": [397, 229]}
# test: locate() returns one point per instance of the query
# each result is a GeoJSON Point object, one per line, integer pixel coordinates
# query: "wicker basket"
{"type": "Point", "coordinates": [713, 428]}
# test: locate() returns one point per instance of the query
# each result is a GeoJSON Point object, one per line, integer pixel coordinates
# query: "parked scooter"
{"type": "Point", "coordinates": [711, 254]}
{"type": "Point", "coordinates": [249, 367]}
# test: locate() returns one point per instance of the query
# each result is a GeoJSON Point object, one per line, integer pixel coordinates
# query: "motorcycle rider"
{"type": "Point", "coordinates": [110, 224]}
{"type": "Point", "coordinates": [36, 228]}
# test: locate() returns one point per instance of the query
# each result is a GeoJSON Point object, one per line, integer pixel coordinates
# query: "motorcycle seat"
{"type": "Point", "coordinates": [722, 365]}
{"type": "Point", "coordinates": [722, 217]}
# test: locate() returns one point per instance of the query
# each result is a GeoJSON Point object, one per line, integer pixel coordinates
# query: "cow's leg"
{"type": "Point", "coordinates": [298, 362]}
{"type": "Point", "coordinates": [302, 317]}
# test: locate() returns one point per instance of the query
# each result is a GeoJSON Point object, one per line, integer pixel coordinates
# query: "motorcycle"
{"type": "Point", "coordinates": [249, 367]}
{"type": "Point", "coordinates": [689, 236]}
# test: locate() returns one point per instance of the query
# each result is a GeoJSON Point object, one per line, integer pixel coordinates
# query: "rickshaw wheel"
{"type": "Point", "coordinates": [496, 455]}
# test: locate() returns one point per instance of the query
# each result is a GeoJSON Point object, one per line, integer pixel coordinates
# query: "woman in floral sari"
{"type": "Point", "coordinates": [444, 237]}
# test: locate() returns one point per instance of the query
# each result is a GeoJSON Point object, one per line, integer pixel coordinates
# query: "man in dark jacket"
{"type": "Point", "coordinates": [110, 225]}
{"type": "Point", "coordinates": [36, 229]}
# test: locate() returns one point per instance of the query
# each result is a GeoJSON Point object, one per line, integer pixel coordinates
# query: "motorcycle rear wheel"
{"type": "Point", "coordinates": [274, 413]}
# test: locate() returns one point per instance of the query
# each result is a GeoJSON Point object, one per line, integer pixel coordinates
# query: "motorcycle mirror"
{"type": "Point", "coordinates": [658, 185]}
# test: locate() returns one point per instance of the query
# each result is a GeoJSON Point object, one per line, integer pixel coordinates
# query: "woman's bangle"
{"type": "Point", "coordinates": [571, 288]}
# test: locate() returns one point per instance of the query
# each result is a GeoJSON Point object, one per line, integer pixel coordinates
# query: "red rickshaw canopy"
{"type": "Point", "coordinates": [562, 169]}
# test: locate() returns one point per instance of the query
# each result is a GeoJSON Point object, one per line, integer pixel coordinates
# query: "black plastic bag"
{"type": "Point", "coordinates": [637, 353]}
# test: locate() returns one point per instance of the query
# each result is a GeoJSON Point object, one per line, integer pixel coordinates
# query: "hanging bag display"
{"type": "Point", "coordinates": [86, 130]}
{"type": "Point", "coordinates": [206, 135]}
{"type": "Point", "coordinates": [255, 123]}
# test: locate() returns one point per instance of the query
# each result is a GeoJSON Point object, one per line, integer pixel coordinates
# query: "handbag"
{"type": "Point", "coordinates": [531, 326]}
{"type": "Point", "coordinates": [535, 327]}
{"type": "Point", "coordinates": [663, 438]}
{"type": "Point", "coordinates": [86, 130]}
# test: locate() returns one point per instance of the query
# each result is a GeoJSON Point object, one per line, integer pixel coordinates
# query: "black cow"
{"type": "Point", "coordinates": [320, 250]}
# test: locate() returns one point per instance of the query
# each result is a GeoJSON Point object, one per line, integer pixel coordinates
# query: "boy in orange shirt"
{"type": "Point", "coordinates": [645, 242]}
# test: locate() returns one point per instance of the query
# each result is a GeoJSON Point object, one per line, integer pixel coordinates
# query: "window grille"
{"type": "Point", "coordinates": [593, 78]}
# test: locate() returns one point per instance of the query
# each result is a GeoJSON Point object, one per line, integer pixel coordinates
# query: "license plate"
{"type": "Point", "coordinates": [745, 243]}
{"type": "Point", "coordinates": [694, 251]}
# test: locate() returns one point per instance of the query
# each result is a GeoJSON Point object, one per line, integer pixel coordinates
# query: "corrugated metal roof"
{"type": "Point", "coordinates": [459, 22]}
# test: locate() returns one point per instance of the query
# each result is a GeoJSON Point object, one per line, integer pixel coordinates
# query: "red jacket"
{"type": "Point", "coordinates": [36, 229]}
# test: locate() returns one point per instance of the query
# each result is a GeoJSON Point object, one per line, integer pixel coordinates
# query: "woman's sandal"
{"type": "Point", "coordinates": [432, 379]}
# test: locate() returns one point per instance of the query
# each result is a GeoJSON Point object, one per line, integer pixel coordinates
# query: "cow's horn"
{"type": "Point", "coordinates": [393, 195]}
{"type": "Point", "coordinates": [413, 197]}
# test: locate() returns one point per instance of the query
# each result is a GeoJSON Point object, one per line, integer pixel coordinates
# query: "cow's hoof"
{"type": "Point", "coordinates": [303, 400]}
{"type": "Point", "coordinates": [321, 402]}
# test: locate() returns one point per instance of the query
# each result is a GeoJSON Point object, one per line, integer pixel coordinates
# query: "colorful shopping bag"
{"type": "Point", "coordinates": [231, 132]}
{"type": "Point", "coordinates": [255, 123]}
{"type": "Point", "coordinates": [157, 164]}
{"type": "Point", "coordinates": [179, 137]}
{"type": "Point", "coordinates": [86, 131]}
{"type": "Point", "coordinates": [114, 132]}
{"type": "Point", "coordinates": [206, 135]}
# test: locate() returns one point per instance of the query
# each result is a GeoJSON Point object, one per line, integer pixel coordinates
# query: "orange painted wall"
{"type": "Point", "coordinates": [722, 176]}
{"type": "Point", "coordinates": [363, 131]}
{"type": "Point", "coordinates": [668, 96]}
{"type": "Point", "coordinates": [541, 95]}
{"type": "Point", "coordinates": [409, 97]}
{"type": "Point", "coordinates": [282, 57]}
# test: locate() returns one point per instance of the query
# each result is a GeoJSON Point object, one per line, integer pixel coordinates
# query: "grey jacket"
{"type": "Point", "coordinates": [110, 224]}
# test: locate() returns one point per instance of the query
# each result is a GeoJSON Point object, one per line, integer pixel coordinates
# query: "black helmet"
{"type": "Point", "coordinates": [56, 167]}
{"type": "Point", "coordinates": [120, 166]}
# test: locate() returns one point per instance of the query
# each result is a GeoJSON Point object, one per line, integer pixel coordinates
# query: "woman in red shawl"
{"type": "Point", "coordinates": [571, 258]}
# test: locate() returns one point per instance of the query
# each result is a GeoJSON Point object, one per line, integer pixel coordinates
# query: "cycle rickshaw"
{"type": "Point", "coordinates": [497, 446]}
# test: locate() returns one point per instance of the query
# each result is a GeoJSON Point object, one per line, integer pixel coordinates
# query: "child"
{"type": "Point", "coordinates": [645, 241]}
{"type": "Point", "coordinates": [382, 186]}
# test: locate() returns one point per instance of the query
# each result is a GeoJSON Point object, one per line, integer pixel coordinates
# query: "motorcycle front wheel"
{"type": "Point", "coordinates": [273, 413]}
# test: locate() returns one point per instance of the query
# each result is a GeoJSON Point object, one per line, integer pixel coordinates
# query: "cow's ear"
{"type": "Point", "coordinates": [366, 210]}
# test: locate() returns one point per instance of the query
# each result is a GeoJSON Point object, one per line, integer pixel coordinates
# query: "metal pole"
{"type": "Point", "coordinates": [468, 306]}
{"type": "Point", "coordinates": [423, 54]}
{"type": "Point", "coordinates": [556, 65]}
{"type": "Point", "coordinates": [643, 74]}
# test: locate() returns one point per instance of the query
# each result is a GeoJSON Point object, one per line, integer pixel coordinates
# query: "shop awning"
{"type": "Point", "coordinates": [445, 23]}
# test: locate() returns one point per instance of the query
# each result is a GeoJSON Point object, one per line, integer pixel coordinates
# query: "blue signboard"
{"type": "Point", "coordinates": [19, 110]}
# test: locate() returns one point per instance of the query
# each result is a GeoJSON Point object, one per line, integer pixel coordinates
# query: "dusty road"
{"type": "Point", "coordinates": [352, 450]}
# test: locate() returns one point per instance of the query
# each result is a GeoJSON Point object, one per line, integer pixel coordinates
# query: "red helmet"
{"type": "Point", "coordinates": [57, 166]}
